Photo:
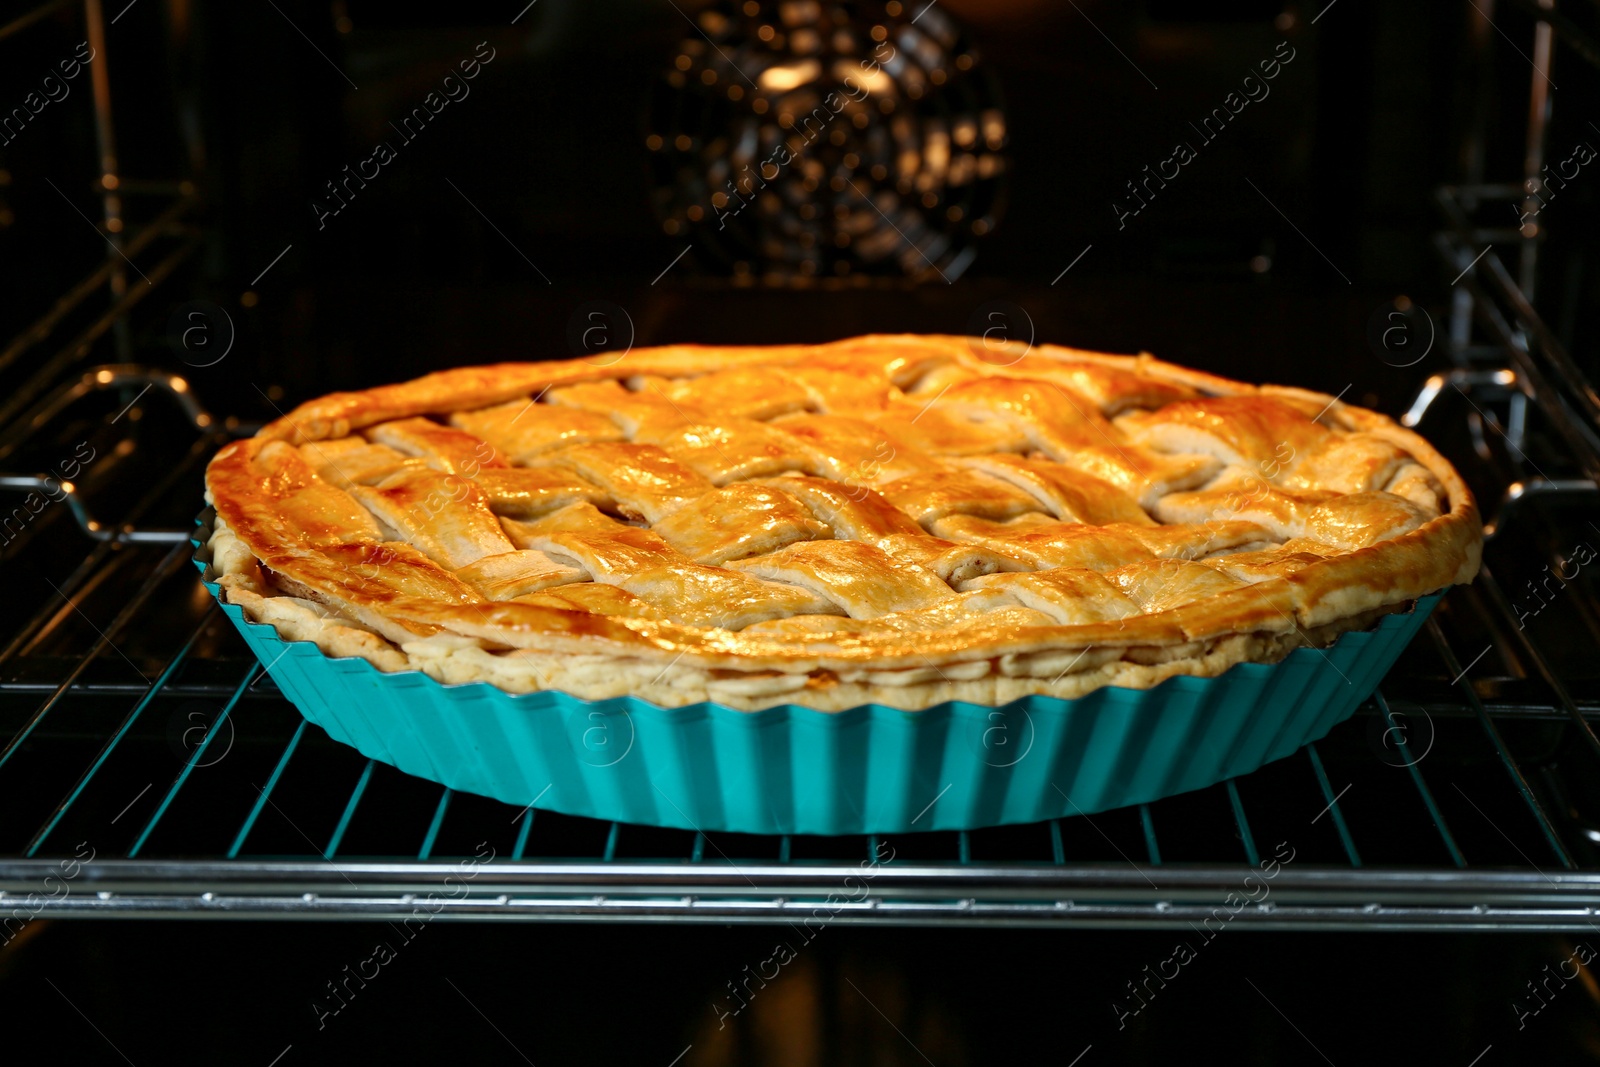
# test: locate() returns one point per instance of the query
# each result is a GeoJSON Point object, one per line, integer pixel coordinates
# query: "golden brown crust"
{"type": "Point", "coordinates": [826, 513]}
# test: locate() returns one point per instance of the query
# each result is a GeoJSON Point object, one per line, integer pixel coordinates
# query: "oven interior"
{"type": "Point", "coordinates": [144, 742]}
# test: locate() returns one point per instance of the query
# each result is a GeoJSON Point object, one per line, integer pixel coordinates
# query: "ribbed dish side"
{"type": "Point", "coordinates": [871, 769]}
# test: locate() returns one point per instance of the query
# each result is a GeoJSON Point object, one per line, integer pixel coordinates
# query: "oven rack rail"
{"type": "Point", "coordinates": [1501, 344]}
{"type": "Point", "coordinates": [1009, 895]}
{"type": "Point", "coordinates": [1523, 358]}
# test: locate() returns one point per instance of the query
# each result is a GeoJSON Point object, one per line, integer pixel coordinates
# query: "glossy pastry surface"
{"type": "Point", "coordinates": [883, 519]}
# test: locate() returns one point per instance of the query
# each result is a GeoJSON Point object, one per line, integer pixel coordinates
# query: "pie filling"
{"type": "Point", "coordinates": [879, 520]}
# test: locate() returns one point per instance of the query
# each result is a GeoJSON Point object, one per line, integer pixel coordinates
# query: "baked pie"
{"type": "Point", "coordinates": [893, 520]}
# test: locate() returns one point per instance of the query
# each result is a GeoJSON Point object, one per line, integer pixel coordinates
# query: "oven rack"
{"type": "Point", "coordinates": [160, 231]}
{"type": "Point", "coordinates": [1457, 799]}
{"type": "Point", "coordinates": [1502, 346]}
{"type": "Point", "coordinates": [706, 883]}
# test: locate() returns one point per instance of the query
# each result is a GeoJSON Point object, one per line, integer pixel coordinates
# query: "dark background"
{"type": "Point", "coordinates": [247, 100]}
{"type": "Point", "coordinates": [585, 994]}
{"type": "Point", "coordinates": [251, 101]}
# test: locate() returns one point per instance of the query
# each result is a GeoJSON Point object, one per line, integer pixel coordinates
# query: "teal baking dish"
{"type": "Point", "coordinates": [795, 770]}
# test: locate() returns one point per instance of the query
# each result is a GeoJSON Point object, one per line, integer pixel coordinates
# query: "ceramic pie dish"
{"type": "Point", "coordinates": [805, 588]}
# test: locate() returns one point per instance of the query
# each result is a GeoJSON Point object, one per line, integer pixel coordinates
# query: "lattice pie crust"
{"type": "Point", "coordinates": [885, 519]}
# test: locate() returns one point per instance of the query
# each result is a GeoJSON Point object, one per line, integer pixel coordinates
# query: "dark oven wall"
{"type": "Point", "coordinates": [534, 191]}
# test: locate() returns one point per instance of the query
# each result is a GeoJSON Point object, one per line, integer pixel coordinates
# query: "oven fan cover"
{"type": "Point", "coordinates": [805, 140]}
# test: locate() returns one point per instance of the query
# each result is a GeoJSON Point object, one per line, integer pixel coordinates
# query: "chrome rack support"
{"type": "Point", "coordinates": [93, 381]}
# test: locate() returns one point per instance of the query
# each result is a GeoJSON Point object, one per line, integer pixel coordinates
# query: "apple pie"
{"type": "Point", "coordinates": [900, 520]}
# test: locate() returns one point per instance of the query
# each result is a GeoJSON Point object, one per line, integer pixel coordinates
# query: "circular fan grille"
{"type": "Point", "coordinates": [804, 139]}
